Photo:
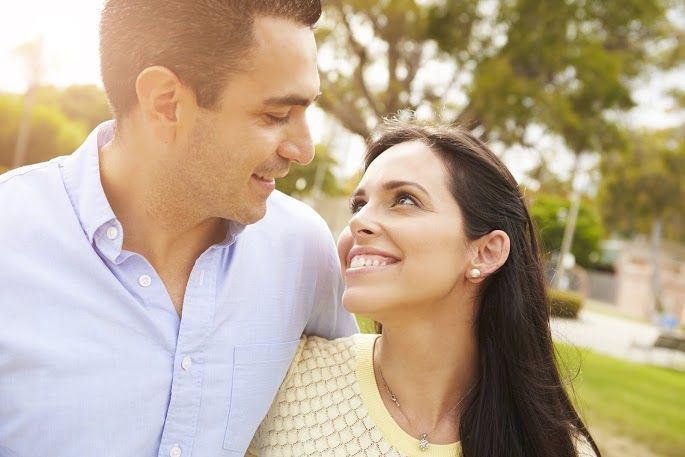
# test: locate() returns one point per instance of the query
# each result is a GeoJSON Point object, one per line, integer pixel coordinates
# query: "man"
{"type": "Point", "coordinates": [153, 286]}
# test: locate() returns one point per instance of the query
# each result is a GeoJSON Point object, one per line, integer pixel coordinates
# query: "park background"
{"type": "Point", "coordinates": [584, 100]}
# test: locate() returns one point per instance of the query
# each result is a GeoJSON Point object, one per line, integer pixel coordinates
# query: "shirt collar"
{"type": "Point", "coordinates": [81, 175]}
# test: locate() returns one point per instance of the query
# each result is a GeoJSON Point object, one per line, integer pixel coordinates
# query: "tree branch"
{"type": "Point", "coordinates": [363, 61]}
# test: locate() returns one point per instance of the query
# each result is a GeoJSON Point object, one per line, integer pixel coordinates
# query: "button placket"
{"type": "Point", "coordinates": [112, 233]}
{"type": "Point", "coordinates": [184, 404]}
{"type": "Point", "coordinates": [144, 280]}
{"type": "Point", "coordinates": [175, 451]}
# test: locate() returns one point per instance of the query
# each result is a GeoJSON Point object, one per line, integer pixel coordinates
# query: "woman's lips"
{"type": "Point", "coordinates": [367, 259]}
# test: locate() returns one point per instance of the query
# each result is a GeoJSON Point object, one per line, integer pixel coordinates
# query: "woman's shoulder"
{"type": "Point", "coordinates": [320, 355]}
{"type": "Point", "coordinates": [326, 364]}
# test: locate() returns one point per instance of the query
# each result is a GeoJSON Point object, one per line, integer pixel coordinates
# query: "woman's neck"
{"type": "Point", "coordinates": [430, 367]}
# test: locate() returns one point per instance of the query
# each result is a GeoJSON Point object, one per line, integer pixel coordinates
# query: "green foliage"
{"type": "Point", "coordinates": [643, 182]}
{"type": "Point", "coordinates": [86, 104]}
{"type": "Point", "coordinates": [564, 303]}
{"type": "Point", "coordinates": [366, 325]}
{"type": "Point", "coordinates": [51, 133]}
{"type": "Point", "coordinates": [60, 121]}
{"type": "Point", "coordinates": [500, 65]}
{"type": "Point", "coordinates": [315, 177]}
{"type": "Point", "coordinates": [549, 213]}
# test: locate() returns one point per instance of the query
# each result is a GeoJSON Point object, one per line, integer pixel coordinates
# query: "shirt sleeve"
{"type": "Point", "coordinates": [329, 318]}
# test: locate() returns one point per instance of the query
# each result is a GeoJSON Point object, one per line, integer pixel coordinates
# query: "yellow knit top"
{"type": "Point", "coordinates": [329, 405]}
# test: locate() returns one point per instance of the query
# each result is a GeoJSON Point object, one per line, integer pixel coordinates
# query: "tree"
{"type": "Point", "coordinates": [52, 134]}
{"type": "Point", "coordinates": [56, 124]}
{"type": "Point", "coordinates": [32, 54]}
{"type": "Point", "coordinates": [86, 104]}
{"type": "Point", "coordinates": [550, 214]}
{"type": "Point", "coordinates": [497, 65]}
{"type": "Point", "coordinates": [500, 66]}
{"type": "Point", "coordinates": [643, 191]}
{"type": "Point", "coordinates": [315, 178]}
{"type": "Point", "coordinates": [642, 184]}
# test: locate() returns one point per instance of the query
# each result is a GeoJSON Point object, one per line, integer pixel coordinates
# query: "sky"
{"type": "Point", "coordinates": [69, 31]}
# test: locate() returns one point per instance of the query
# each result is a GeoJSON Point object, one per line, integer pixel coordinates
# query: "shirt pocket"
{"type": "Point", "coordinates": [258, 371]}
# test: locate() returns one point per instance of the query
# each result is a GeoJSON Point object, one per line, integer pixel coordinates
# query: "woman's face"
{"type": "Point", "coordinates": [405, 245]}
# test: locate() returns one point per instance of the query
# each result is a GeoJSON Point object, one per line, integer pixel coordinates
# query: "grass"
{"type": "Point", "coordinates": [365, 324]}
{"type": "Point", "coordinates": [642, 402]}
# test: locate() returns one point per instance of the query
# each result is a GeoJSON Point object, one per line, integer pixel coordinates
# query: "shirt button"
{"type": "Point", "coordinates": [145, 281]}
{"type": "Point", "coordinates": [112, 233]}
{"type": "Point", "coordinates": [175, 451]}
{"type": "Point", "coordinates": [186, 362]}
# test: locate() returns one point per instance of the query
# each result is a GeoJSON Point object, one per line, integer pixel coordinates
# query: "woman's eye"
{"type": "Point", "coordinates": [406, 200]}
{"type": "Point", "coordinates": [356, 205]}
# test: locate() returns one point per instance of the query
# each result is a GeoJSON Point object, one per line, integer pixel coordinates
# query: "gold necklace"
{"type": "Point", "coordinates": [423, 437]}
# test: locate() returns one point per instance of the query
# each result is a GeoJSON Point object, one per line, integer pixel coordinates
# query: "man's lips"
{"type": "Point", "coordinates": [264, 178]}
{"type": "Point", "coordinates": [265, 183]}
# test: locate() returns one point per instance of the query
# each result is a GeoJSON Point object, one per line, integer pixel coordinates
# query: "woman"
{"type": "Point", "coordinates": [441, 251]}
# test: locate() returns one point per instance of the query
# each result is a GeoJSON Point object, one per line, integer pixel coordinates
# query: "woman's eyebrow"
{"type": "Point", "coordinates": [394, 184]}
{"type": "Point", "coordinates": [391, 185]}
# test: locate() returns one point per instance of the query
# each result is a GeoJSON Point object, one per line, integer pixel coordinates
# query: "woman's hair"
{"type": "Point", "coordinates": [519, 407]}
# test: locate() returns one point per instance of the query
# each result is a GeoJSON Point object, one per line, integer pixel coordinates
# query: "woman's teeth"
{"type": "Point", "coordinates": [368, 261]}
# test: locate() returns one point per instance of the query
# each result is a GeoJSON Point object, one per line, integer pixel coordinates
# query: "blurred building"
{"type": "Point", "coordinates": [632, 283]}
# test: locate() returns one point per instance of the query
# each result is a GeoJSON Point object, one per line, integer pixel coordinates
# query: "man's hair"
{"type": "Point", "coordinates": [202, 41]}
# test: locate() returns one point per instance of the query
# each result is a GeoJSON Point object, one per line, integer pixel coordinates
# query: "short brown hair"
{"type": "Point", "coordinates": [201, 41]}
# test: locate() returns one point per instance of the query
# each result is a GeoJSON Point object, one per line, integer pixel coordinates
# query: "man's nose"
{"type": "Point", "coordinates": [298, 145]}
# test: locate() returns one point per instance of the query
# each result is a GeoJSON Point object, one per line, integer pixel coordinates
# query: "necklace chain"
{"type": "Point", "coordinates": [423, 437]}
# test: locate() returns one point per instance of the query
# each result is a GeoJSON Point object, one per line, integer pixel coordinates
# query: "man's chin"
{"type": "Point", "coordinates": [250, 215]}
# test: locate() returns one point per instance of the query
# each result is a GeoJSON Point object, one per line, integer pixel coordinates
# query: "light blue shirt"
{"type": "Point", "coordinates": [94, 359]}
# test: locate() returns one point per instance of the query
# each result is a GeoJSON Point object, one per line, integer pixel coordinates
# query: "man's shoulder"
{"type": "Point", "coordinates": [281, 206]}
{"type": "Point", "coordinates": [288, 216]}
{"type": "Point", "coordinates": [22, 188]}
{"type": "Point", "coordinates": [27, 173]}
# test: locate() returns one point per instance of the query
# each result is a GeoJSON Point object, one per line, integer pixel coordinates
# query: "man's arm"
{"type": "Point", "coordinates": [329, 319]}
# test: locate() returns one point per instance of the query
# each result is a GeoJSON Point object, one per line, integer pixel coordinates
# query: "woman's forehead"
{"type": "Point", "coordinates": [408, 161]}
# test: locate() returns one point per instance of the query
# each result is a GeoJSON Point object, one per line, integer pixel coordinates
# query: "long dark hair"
{"type": "Point", "coordinates": [519, 407]}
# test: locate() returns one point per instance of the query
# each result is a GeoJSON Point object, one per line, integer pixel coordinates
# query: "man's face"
{"type": "Point", "coordinates": [232, 156]}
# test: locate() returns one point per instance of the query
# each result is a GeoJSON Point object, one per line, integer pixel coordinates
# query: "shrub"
{"type": "Point", "coordinates": [549, 213]}
{"type": "Point", "coordinates": [564, 303]}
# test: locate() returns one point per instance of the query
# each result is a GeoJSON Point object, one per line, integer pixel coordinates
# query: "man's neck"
{"type": "Point", "coordinates": [157, 226]}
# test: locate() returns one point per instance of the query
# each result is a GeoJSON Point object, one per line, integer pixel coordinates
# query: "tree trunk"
{"type": "Point", "coordinates": [21, 147]}
{"type": "Point", "coordinates": [567, 242]}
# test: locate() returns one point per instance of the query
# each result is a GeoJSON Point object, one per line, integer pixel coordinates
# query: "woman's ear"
{"type": "Point", "coordinates": [492, 251]}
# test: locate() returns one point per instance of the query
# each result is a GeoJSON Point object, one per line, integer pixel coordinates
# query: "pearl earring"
{"type": "Point", "coordinates": [474, 273]}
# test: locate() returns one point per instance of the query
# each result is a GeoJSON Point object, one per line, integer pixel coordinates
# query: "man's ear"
{"type": "Point", "coordinates": [491, 252]}
{"type": "Point", "coordinates": [159, 91]}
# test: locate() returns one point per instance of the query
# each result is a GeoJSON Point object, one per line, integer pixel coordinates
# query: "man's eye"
{"type": "Point", "coordinates": [278, 118]}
